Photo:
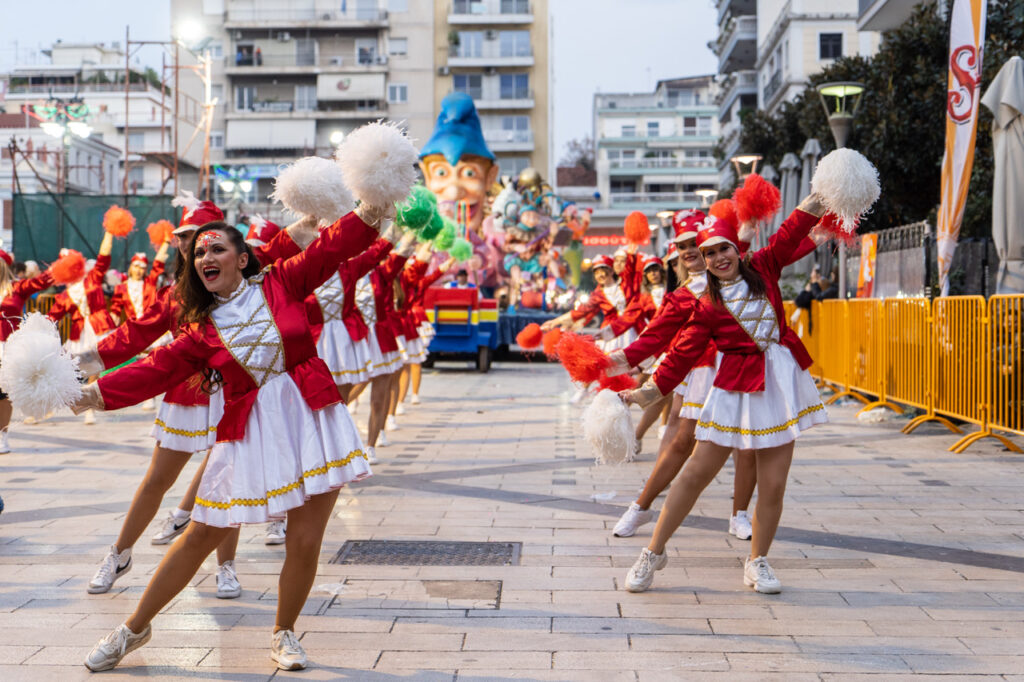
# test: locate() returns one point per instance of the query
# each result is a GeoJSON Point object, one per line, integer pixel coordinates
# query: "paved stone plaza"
{"type": "Point", "coordinates": [897, 558]}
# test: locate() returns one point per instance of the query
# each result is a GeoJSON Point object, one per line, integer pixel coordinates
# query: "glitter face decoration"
{"type": "Point", "coordinates": [206, 239]}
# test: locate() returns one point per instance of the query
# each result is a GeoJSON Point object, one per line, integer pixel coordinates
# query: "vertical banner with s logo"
{"type": "Point", "coordinates": [868, 258]}
{"type": "Point", "coordinates": [966, 40]}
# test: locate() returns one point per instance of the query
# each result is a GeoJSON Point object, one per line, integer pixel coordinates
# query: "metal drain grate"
{"type": "Point", "coordinates": [428, 553]}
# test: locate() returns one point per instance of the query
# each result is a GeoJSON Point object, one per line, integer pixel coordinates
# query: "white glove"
{"type": "Point", "coordinates": [620, 365]}
{"type": "Point", "coordinates": [646, 395]}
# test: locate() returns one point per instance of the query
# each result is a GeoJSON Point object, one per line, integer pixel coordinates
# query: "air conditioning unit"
{"type": "Point", "coordinates": [337, 61]}
{"type": "Point", "coordinates": [444, 71]}
{"type": "Point", "coordinates": [284, 36]}
{"type": "Point", "coordinates": [326, 16]}
{"type": "Point", "coordinates": [382, 59]}
{"type": "Point", "coordinates": [491, 35]}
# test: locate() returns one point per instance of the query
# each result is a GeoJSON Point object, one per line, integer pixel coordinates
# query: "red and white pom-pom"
{"type": "Point", "coordinates": [160, 232]}
{"type": "Point", "coordinates": [186, 201]}
{"type": "Point", "coordinates": [69, 268]}
{"type": "Point", "coordinates": [379, 163]}
{"type": "Point", "coordinates": [831, 225]}
{"type": "Point", "coordinates": [618, 382]}
{"type": "Point", "coordinates": [581, 357]}
{"type": "Point", "coordinates": [608, 428]}
{"type": "Point", "coordinates": [37, 373]}
{"type": "Point", "coordinates": [757, 199]}
{"type": "Point", "coordinates": [725, 209]}
{"type": "Point", "coordinates": [118, 221]}
{"type": "Point", "coordinates": [848, 186]}
{"type": "Point", "coordinates": [530, 336]}
{"type": "Point", "coordinates": [314, 186]}
{"type": "Point", "coordinates": [636, 228]}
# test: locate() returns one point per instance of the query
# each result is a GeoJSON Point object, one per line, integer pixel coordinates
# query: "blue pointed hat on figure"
{"type": "Point", "coordinates": [457, 131]}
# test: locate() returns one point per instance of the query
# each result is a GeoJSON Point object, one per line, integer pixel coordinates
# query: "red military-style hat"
{"type": "Point", "coordinates": [139, 257]}
{"type": "Point", "coordinates": [6, 257]}
{"type": "Point", "coordinates": [603, 261]}
{"type": "Point", "coordinates": [195, 213]}
{"type": "Point", "coordinates": [687, 223]}
{"type": "Point", "coordinates": [671, 252]}
{"type": "Point", "coordinates": [716, 231]}
{"type": "Point", "coordinates": [652, 262]}
{"type": "Point", "coordinates": [261, 231]}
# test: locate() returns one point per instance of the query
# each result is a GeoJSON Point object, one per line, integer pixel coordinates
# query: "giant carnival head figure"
{"type": "Point", "coordinates": [457, 165]}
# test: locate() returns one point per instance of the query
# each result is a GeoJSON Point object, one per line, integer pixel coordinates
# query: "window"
{"type": "Point", "coordinates": [366, 51]}
{"type": "Point", "coordinates": [216, 139]}
{"type": "Point", "coordinates": [689, 126]}
{"type": "Point", "coordinates": [244, 54]}
{"type": "Point", "coordinates": [652, 128]}
{"type": "Point", "coordinates": [785, 56]}
{"type": "Point", "coordinates": [515, 43]}
{"type": "Point", "coordinates": [305, 98]}
{"type": "Point", "coordinates": [513, 165]}
{"type": "Point", "coordinates": [628, 130]}
{"type": "Point", "coordinates": [613, 154]}
{"type": "Point", "coordinates": [217, 50]}
{"type": "Point", "coordinates": [830, 45]}
{"type": "Point", "coordinates": [515, 86]}
{"type": "Point", "coordinates": [217, 92]}
{"type": "Point", "coordinates": [397, 93]}
{"type": "Point", "coordinates": [367, 105]}
{"type": "Point", "coordinates": [628, 153]}
{"type": "Point", "coordinates": [245, 95]}
{"type": "Point", "coordinates": [623, 186]}
{"type": "Point", "coordinates": [398, 5]}
{"type": "Point", "coordinates": [136, 141]}
{"type": "Point", "coordinates": [398, 47]}
{"type": "Point", "coordinates": [470, 84]}
{"type": "Point", "coordinates": [471, 44]}
{"type": "Point", "coordinates": [515, 123]}
{"type": "Point", "coordinates": [468, 7]}
{"type": "Point", "coordinates": [515, 7]}
{"type": "Point", "coordinates": [136, 177]}
{"type": "Point", "coordinates": [704, 126]}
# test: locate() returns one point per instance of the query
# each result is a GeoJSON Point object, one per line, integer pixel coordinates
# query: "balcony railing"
{"type": "Point", "coordinates": [46, 88]}
{"type": "Point", "coordinates": [490, 11]}
{"type": "Point", "coordinates": [772, 87]}
{"type": "Point", "coordinates": [489, 51]}
{"type": "Point", "coordinates": [305, 13]}
{"type": "Point", "coordinates": [366, 60]}
{"type": "Point", "coordinates": [509, 136]}
{"type": "Point", "coordinates": [735, 30]}
{"type": "Point", "coordinates": [642, 164]}
{"type": "Point", "coordinates": [665, 198]}
{"type": "Point", "coordinates": [735, 82]}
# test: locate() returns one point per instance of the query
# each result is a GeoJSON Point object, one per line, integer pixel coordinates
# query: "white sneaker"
{"type": "Point", "coordinates": [276, 533]}
{"type": "Point", "coordinates": [371, 455]}
{"type": "Point", "coordinates": [228, 586]}
{"type": "Point", "coordinates": [114, 565]}
{"type": "Point", "coordinates": [415, 399]}
{"type": "Point", "coordinates": [757, 573]}
{"type": "Point", "coordinates": [739, 526]}
{"type": "Point", "coordinates": [30, 421]}
{"type": "Point", "coordinates": [286, 651]}
{"type": "Point", "coordinates": [390, 424]}
{"type": "Point", "coordinates": [89, 419]}
{"type": "Point", "coordinates": [4, 447]}
{"type": "Point", "coordinates": [172, 528]}
{"type": "Point", "coordinates": [382, 440]}
{"type": "Point", "coordinates": [109, 651]}
{"type": "Point", "coordinates": [632, 518]}
{"type": "Point", "coordinates": [641, 575]}
{"type": "Point", "coordinates": [661, 431]}
{"type": "Point", "coordinates": [400, 409]}
{"type": "Point", "coordinates": [578, 396]}
{"type": "Point", "coordinates": [148, 405]}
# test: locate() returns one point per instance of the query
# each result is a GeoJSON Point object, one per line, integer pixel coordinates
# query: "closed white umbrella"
{"type": "Point", "coordinates": [790, 168]}
{"type": "Point", "coordinates": [1005, 99]}
{"type": "Point", "coordinates": [810, 154]}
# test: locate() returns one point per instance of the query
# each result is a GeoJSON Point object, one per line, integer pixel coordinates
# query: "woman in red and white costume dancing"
{"type": "Point", "coordinates": [762, 398]}
{"type": "Point", "coordinates": [415, 282]}
{"type": "Point", "coordinates": [285, 445]}
{"type": "Point", "coordinates": [136, 295]}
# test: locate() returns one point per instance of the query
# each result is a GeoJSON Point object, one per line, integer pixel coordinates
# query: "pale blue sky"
{"type": "Point", "coordinates": [598, 45]}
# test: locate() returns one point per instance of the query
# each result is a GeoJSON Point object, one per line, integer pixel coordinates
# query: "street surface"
{"type": "Point", "coordinates": [898, 559]}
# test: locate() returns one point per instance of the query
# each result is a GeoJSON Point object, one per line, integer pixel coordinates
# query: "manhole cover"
{"type": "Point", "coordinates": [428, 553]}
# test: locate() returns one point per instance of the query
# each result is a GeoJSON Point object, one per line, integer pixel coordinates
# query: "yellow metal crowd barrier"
{"type": "Point", "coordinates": [42, 304]}
{"type": "Point", "coordinates": [958, 358]}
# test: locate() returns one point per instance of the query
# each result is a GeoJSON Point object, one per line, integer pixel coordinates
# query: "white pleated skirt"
{"type": "Point", "coordinates": [348, 360]}
{"type": "Point", "coordinates": [188, 428]}
{"type": "Point", "coordinates": [789, 405]}
{"type": "Point", "coordinates": [288, 454]}
{"type": "Point", "coordinates": [413, 351]}
{"type": "Point", "coordinates": [619, 342]}
{"type": "Point", "coordinates": [695, 389]}
{"type": "Point", "coordinates": [87, 340]}
{"type": "Point", "coordinates": [427, 333]}
{"type": "Point", "coordinates": [380, 363]}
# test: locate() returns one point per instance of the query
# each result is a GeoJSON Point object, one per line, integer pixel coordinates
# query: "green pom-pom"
{"type": "Point", "coordinates": [446, 237]}
{"type": "Point", "coordinates": [461, 250]}
{"type": "Point", "coordinates": [433, 226]}
{"type": "Point", "coordinates": [418, 208]}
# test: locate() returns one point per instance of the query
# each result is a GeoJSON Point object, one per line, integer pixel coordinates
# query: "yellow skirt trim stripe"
{"type": "Point", "coordinates": [692, 404]}
{"type": "Point", "coordinates": [183, 432]}
{"type": "Point", "coordinates": [368, 367]}
{"type": "Point", "coordinates": [262, 501]}
{"type": "Point", "coordinates": [761, 432]}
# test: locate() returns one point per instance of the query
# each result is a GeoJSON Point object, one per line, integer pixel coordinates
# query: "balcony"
{"type": "Point", "coordinates": [690, 137]}
{"type": "Point", "coordinates": [736, 84]}
{"type": "Point", "coordinates": [270, 110]}
{"type": "Point", "coordinates": [303, 16]}
{"type": "Point", "coordinates": [509, 140]}
{"type": "Point", "coordinates": [490, 55]}
{"type": "Point", "coordinates": [736, 46]}
{"type": "Point", "coordinates": [74, 88]}
{"type": "Point", "coordinates": [674, 200]}
{"type": "Point", "coordinates": [281, 64]}
{"type": "Point", "coordinates": [515, 99]}
{"type": "Point", "coordinates": [626, 166]}
{"type": "Point", "coordinates": [477, 12]}
{"type": "Point", "coordinates": [736, 8]}
{"type": "Point", "coordinates": [771, 89]}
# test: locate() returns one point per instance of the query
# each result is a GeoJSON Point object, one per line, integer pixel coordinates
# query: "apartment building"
{"type": "Point", "coordinates": [497, 52]}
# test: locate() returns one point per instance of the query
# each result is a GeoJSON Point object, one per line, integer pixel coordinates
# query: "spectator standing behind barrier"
{"type": "Point", "coordinates": [825, 288]}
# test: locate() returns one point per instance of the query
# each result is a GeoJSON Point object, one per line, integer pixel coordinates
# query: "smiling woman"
{"type": "Point", "coordinates": [221, 259]}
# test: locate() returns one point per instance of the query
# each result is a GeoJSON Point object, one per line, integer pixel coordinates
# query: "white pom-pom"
{"type": "Point", "coordinates": [608, 428]}
{"type": "Point", "coordinates": [379, 163]}
{"type": "Point", "coordinates": [37, 373]}
{"type": "Point", "coordinates": [848, 185]}
{"type": "Point", "coordinates": [186, 200]}
{"type": "Point", "coordinates": [314, 186]}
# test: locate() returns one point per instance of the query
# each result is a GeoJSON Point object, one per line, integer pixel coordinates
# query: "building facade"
{"type": "Point", "coordinates": [497, 52]}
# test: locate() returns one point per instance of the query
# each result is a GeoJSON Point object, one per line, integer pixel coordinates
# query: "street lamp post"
{"type": "Point", "coordinates": [707, 196]}
{"type": "Point", "coordinates": [743, 161]}
{"type": "Point", "coordinates": [841, 101]}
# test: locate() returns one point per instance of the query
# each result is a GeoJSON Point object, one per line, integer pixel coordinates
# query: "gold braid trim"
{"type": "Point", "coordinates": [182, 432]}
{"type": "Point", "coordinates": [761, 432]}
{"type": "Point", "coordinates": [692, 405]}
{"type": "Point", "coordinates": [262, 501]}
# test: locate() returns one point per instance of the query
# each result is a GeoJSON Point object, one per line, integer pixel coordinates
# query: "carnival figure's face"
{"type": "Point", "coordinates": [467, 181]}
{"type": "Point", "coordinates": [136, 270]}
{"type": "Point", "coordinates": [690, 256]}
{"type": "Point", "coordinates": [723, 260]}
{"type": "Point", "coordinates": [603, 276]}
{"type": "Point", "coordinates": [218, 263]}
{"type": "Point", "coordinates": [655, 276]}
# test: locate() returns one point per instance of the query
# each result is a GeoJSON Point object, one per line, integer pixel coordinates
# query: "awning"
{"type": "Point", "coordinates": [333, 87]}
{"type": "Point", "coordinates": [270, 134]}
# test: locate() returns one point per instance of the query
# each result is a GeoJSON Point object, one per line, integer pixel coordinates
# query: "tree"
{"type": "Point", "coordinates": [579, 152]}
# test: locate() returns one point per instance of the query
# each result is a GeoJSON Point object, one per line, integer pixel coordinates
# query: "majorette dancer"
{"type": "Point", "coordinates": [187, 418]}
{"type": "Point", "coordinates": [415, 281]}
{"type": "Point", "coordinates": [762, 398]}
{"type": "Point", "coordinates": [13, 295]}
{"type": "Point", "coordinates": [136, 295]}
{"type": "Point", "coordinates": [285, 444]}
{"type": "Point", "coordinates": [652, 294]}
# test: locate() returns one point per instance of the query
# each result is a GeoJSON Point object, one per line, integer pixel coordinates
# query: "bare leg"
{"type": "Point", "coordinates": [6, 410]}
{"type": "Point", "coordinates": [772, 473]}
{"type": "Point", "coordinates": [705, 463]}
{"type": "Point", "coordinates": [393, 390]}
{"type": "Point", "coordinates": [403, 383]}
{"type": "Point", "coordinates": [650, 416]}
{"type": "Point", "coordinates": [379, 396]}
{"type": "Point", "coordinates": [188, 500]}
{"type": "Point", "coordinates": [357, 391]}
{"type": "Point", "coordinates": [667, 410]}
{"type": "Point", "coordinates": [306, 525]}
{"type": "Point", "coordinates": [175, 571]}
{"type": "Point", "coordinates": [164, 468]}
{"type": "Point", "coordinates": [745, 479]}
{"type": "Point", "coordinates": [415, 376]}
{"type": "Point", "coordinates": [228, 546]}
{"type": "Point", "coordinates": [345, 391]}
{"type": "Point", "coordinates": [673, 423]}
{"type": "Point", "coordinates": [670, 461]}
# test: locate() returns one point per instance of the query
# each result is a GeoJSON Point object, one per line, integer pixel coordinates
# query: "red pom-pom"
{"type": "Point", "coordinates": [581, 357]}
{"type": "Point", "coordinates": [159, 232]}
{"type": "Point", "coordinates": [530, 336]}
{"type": "Point", "coordinates": [831, 225]}
{"type": "Point", "coordinates": [637, 229]}
{"type": "Point", "coordinates": [69, 268]}
{"type": "Point", "coordinates": [619, 382]}
{"type": "Point", "coordinates": [725, 209]}
{"type": "Point", "coordinates": [550, 342]}
{"type": "Point", "coordinates": [757, 199]}
{"type": "Point", "coordinates": [118, 221]}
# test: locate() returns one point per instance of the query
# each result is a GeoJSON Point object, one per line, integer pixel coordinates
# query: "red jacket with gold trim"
{"type": "Point", "coordinates": [99, 317]}
{"type": "Point", "coordinates": [121, 302]}
{"type": "Point", "coordinates": [12, 308]}
{"type": "Point", "coordinates": [349, 273]}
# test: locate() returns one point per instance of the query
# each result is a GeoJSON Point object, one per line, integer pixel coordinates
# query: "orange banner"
{"type": "Point", "coordinates": [868, 256]}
